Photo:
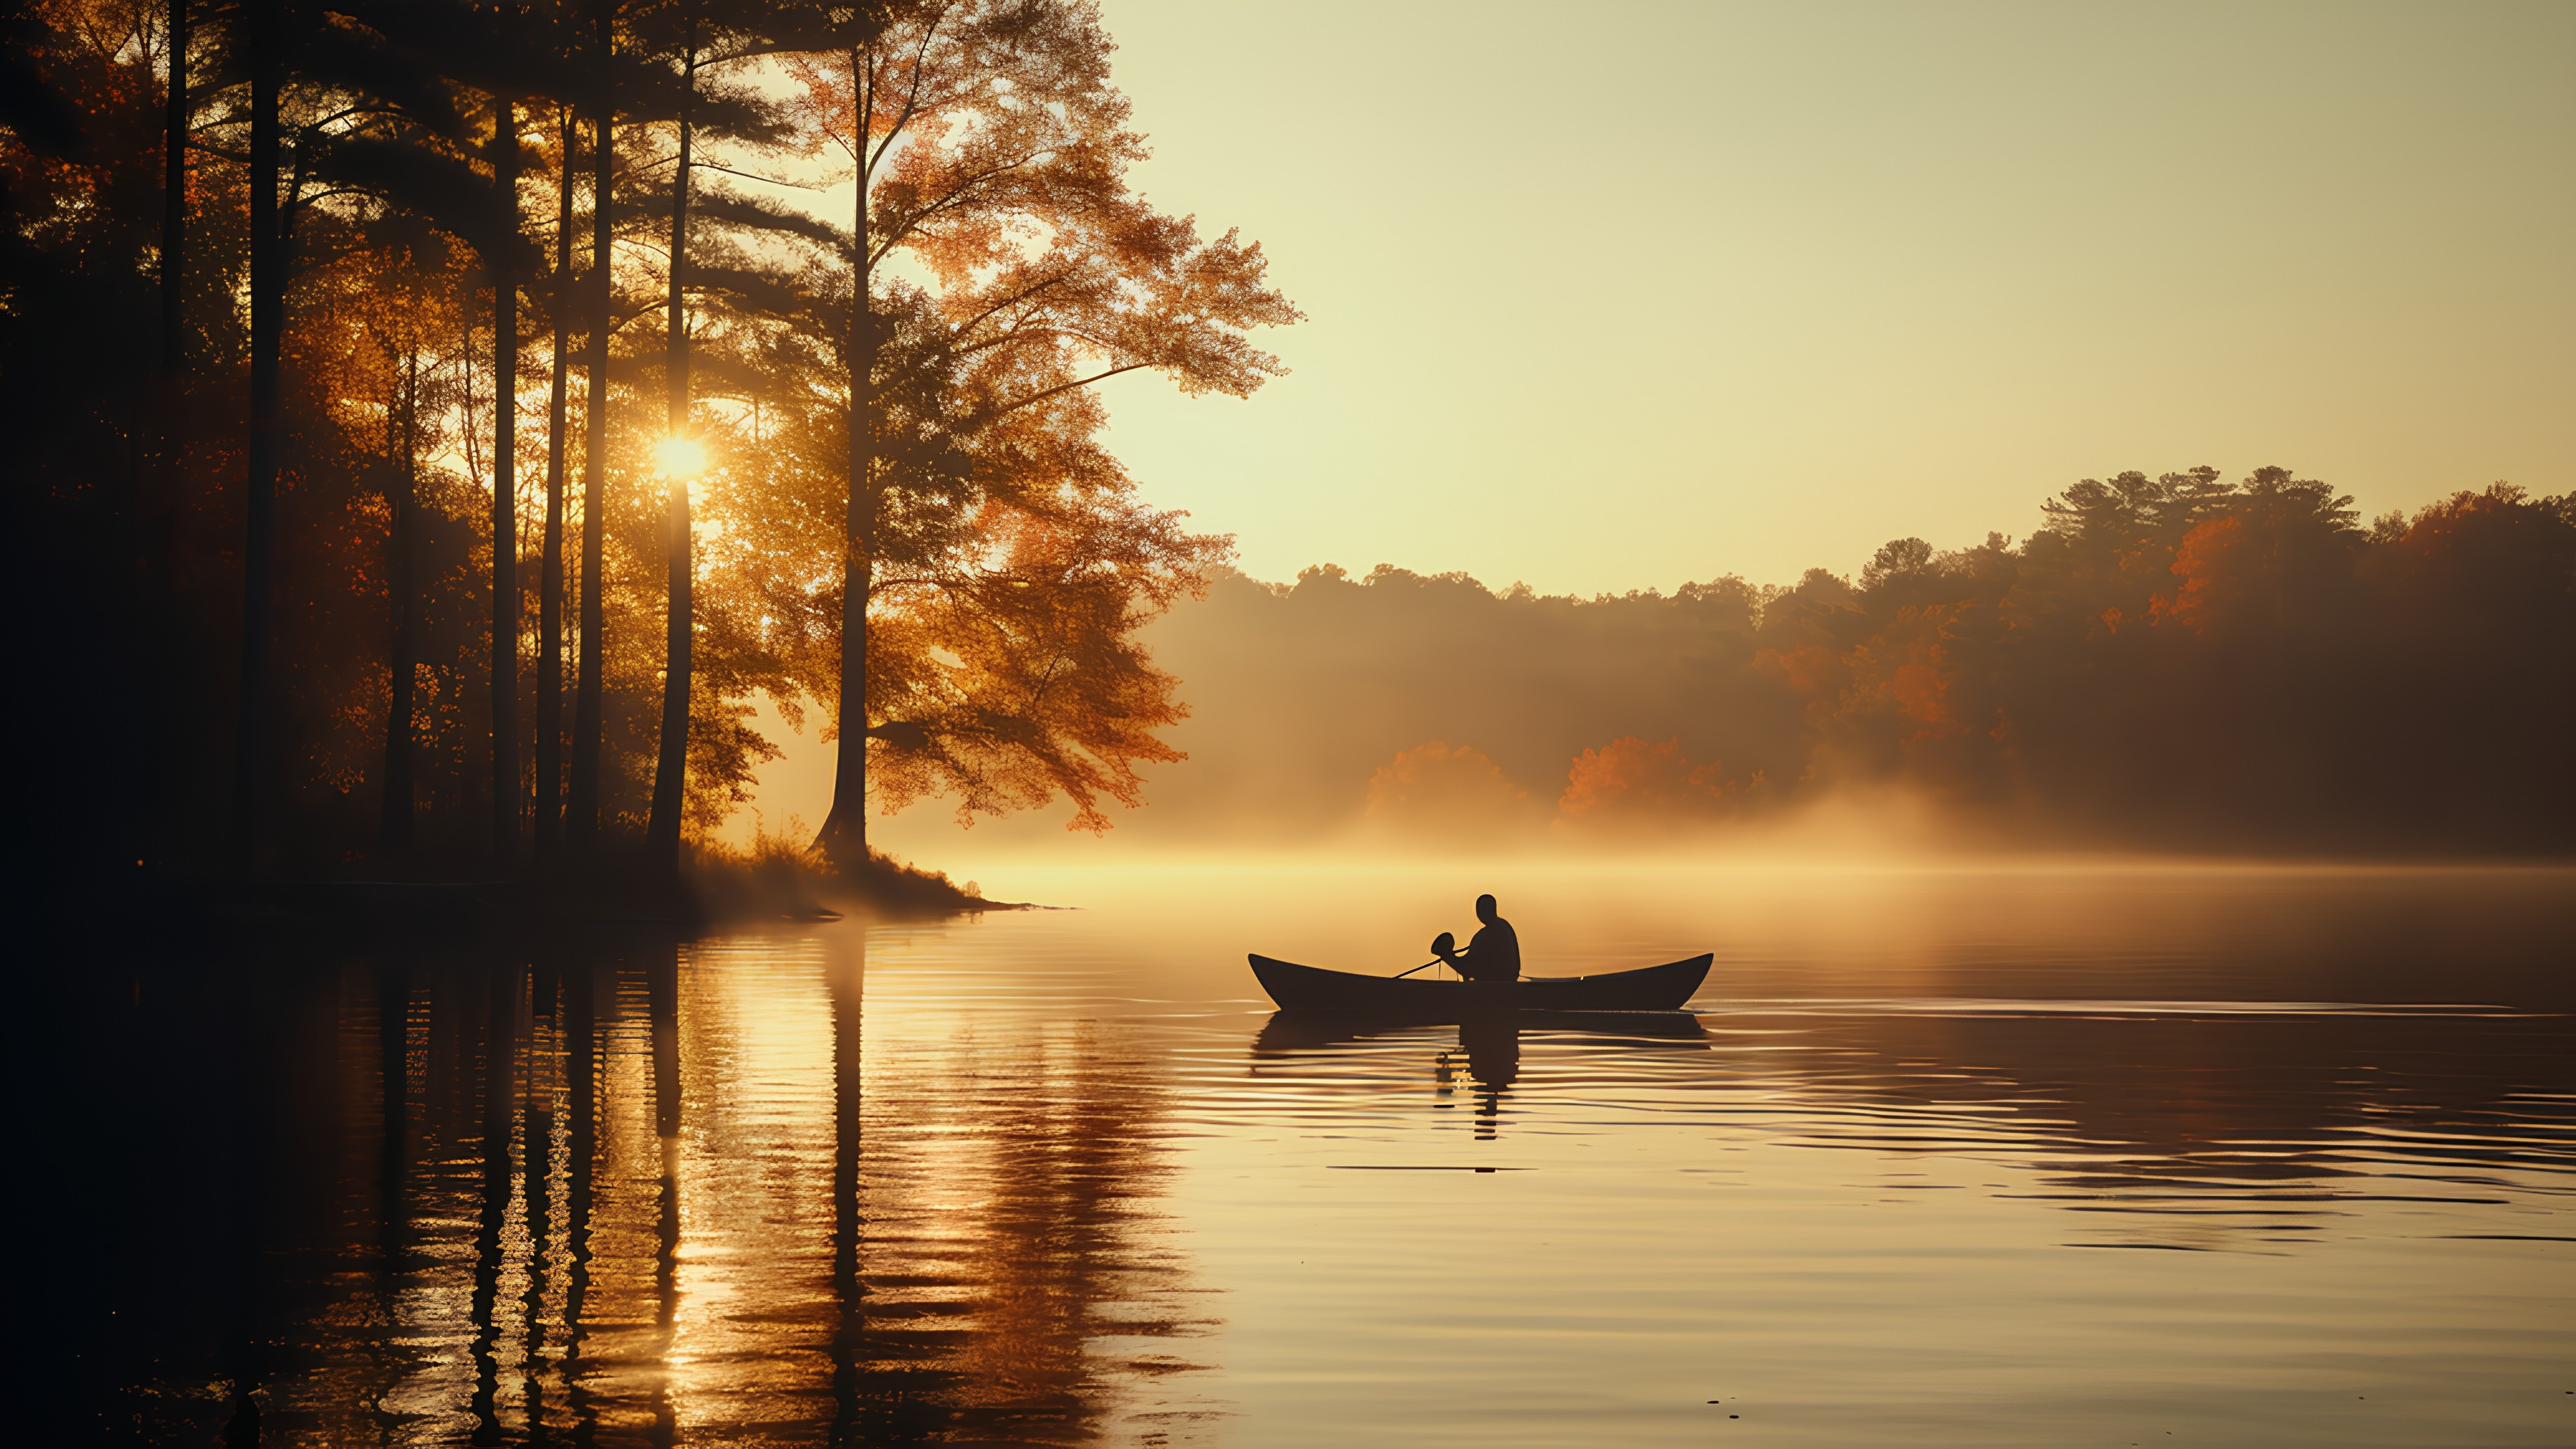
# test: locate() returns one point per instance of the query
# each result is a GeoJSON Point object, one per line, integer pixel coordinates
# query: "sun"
{"type": "Point", "coordinates": [680, 456]}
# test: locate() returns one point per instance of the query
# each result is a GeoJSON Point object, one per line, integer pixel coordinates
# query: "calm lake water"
{"type": "Point", "coordinates": [1980, 1156]}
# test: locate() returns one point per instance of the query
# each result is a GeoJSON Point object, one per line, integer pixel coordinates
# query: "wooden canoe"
{"type": "Point", "coordinates": [1430, 999]}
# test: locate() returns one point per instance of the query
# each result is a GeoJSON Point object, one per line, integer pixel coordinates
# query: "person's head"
{"type": "Point", "coordinates": [1486, 911]}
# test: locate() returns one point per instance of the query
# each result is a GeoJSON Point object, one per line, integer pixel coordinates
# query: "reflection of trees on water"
{"type": "Point", "coordinates": [995, 1231]}
{"type": "Point", "coordinates": [2177, 1095]}
{"type": "Point", "coordinates": [581, 987]}
{"type": "Point", "coordinates": [625, 1196]}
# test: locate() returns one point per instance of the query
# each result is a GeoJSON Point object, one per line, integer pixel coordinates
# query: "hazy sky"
{"type": "Point", "coordinates": [1607, 296]}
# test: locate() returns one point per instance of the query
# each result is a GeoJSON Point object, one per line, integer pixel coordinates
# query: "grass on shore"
{"type": "Point", "coordinates": [778, 879]}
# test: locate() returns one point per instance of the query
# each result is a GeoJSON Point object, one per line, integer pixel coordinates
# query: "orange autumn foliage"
{"type": "Point", "coordinates": [931, 354]}
{"type": "Point", "coordinates": [1630, 778]}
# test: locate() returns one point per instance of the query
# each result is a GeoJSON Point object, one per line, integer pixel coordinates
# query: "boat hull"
{"type": "Point", "coordinates": [1412, 998]}
{"type": "Point", "coordinates": [1288, 1033]}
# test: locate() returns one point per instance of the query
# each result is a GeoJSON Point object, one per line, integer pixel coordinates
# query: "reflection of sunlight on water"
{"type": "Point", "coordinates": [755, 1215]}
{"type": "Point", "coordinates": [1954, 1156]}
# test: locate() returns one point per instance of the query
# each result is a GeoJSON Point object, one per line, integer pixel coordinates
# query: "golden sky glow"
{"type": "Point", "coordinates": [1784, 281]}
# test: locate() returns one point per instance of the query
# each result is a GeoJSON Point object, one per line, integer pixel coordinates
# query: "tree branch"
{"type": "Point", "coordinates": [1041, 396]}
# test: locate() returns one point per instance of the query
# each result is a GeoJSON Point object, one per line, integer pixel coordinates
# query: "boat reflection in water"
{"type": "Point", "coordinates": [1488, 1043]}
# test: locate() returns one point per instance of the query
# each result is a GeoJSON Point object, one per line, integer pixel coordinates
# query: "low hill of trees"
{"type": "Point", "coordinates": [2168, 662]}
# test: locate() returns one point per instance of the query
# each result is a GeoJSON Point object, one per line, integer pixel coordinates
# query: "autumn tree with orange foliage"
{"type": "Point", "coordinates": [992, 562]}
{"type": "Point", "coordinates": [1631, 782]}
{"type": "Point", "coordinates": [899, 416]}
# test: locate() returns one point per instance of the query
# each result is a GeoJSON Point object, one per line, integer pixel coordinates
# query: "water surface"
{"type": "Point", "coordinates": [1978, 1156]}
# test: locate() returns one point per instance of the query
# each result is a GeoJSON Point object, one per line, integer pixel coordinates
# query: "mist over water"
{"type": "Point", "coordinates": [1960, 1154]}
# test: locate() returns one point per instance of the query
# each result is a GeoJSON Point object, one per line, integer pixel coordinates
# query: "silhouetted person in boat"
{"type": "Point", "coordinates": [1492, 954]}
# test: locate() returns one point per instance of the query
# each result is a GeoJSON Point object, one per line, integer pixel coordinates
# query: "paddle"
{"type": "Point", "coordinates": [1443, 943]}
{"type": "Point", "coordinates": [1427, 965]}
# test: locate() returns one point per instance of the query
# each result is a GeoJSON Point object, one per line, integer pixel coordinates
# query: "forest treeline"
{"type": "Point", "coordinates": [433, 422]}
{"type": "Point", "coordinates": [2168, 662]}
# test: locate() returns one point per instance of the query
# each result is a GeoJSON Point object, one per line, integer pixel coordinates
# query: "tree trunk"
{"type": "Point", "coordinates": [395, 819]}
{"type": "Point", "coordinates": [581, 823]}
{"type": "Point", "coordinates": [844, 839]}
{"type": "Point", "coordinates": [550, 568]}
{"type": "Point", "coordinates": [174, 199]}
{"type": "Point", "coordinates": [505, 493]}
{"type": "Point", "coordinates": [251, 744]}
{"type": "Point", "coordinates": [670, 769]}
{"type": "Point", "coordinates": [155, 520]}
